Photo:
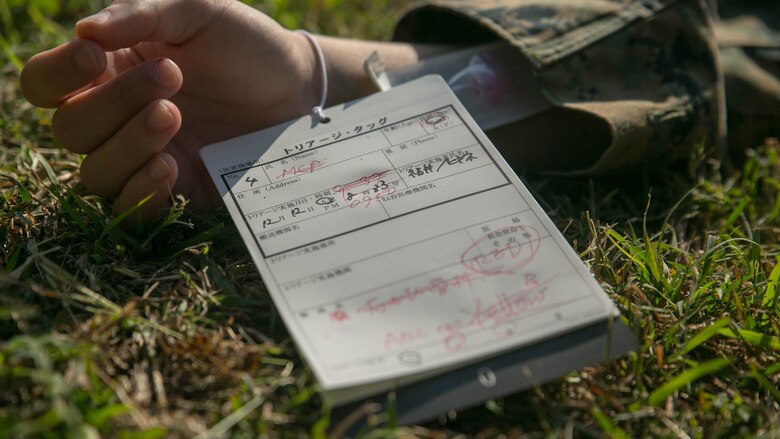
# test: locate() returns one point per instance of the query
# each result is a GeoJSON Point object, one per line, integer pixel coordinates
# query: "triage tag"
{"type": "Point", "coordinates": [396, 242]}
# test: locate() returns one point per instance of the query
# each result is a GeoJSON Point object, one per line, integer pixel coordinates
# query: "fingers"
{"type": "Point", "coordinates": [107, 169]}
{"type": "Point", "coordinates": [88, 119]}
{"type": "Point", "coordinates": [49, 77]}
{"type": "Point", "coordinates": [127, 23]}
{"type": "Point", "coordinates": [155, 178]}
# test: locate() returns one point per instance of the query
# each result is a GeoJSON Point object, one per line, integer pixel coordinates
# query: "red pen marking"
{"type": "Point", "coordinates": [433, 120]}
{"type": "Point", "coordinates": [362, 181]}
{"type": "Point", "coordinates": [301, 169]}
{"type": "Point", "coordinates": [502, 251]}
{"type": "Point", "coordinates": [339, 316]}
{"type": "Point", "coordinates": [506, 306]}
{"type": "Point", "coordinates": [403, 338]}
{"type": "Point", "coordinates": [438, 287]}
{"type": "Point", "coordinates": [497, 316]}
{"type": "Point", "coordinates": [454, 341]}
{"type": "Point", "coordinates": [370, 198]}
{"type": "Point", "coordinates": [510, 248]}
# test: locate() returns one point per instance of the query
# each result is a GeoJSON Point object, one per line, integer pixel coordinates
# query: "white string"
{"type": "Point", "coordinates": [317, 111]}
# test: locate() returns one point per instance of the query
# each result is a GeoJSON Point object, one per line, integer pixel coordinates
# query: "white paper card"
{"type": "Point", "coordinates": [396, 241]}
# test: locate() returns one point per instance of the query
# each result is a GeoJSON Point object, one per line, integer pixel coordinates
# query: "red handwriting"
{"type": "Point", "coordinates": [301, 169]}
{"type": "Point", "coordinates": [437, 286]}
{"type": "Point", "coordinates": [367, 199]}
{"type": "Point", "coordinates": [509, 255]}
{"type": "Point", "coordinates": [498, 316]}
{"type": "Point", "coordinates": [502, 251]}
{"type": "Point", "coordinates": [362, 181]}
{"type": "Point", "coordinates": [339, 316]}
{"type": "Point", "coordinates": [403, 338]}
{"type": "Point", "coordinates": [433, 120]}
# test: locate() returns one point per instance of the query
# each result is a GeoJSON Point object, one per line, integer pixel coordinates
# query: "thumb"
{"type": "Point", "coordinates": [129, 22]}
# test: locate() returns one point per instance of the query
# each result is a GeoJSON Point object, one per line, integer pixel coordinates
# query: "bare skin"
{"type": "Point", "coordinates": [149, 83]}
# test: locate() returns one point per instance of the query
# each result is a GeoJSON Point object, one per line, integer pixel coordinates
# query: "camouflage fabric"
{"type": "Point", "coordinates": [749, 46]}
{"type": "Point", "coordinates": [633, 82]}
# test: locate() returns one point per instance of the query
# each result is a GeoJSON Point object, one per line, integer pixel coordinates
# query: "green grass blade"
{"type": "Point", "coordinates": [607, 425]}
{"type": "Point", "coordinates": [765, 383]}
{"type": "Point", "coordinates": [121, 217]}
{"type": "Point", "coordinates": [737, 213]}
{"type": "Point", "coordinates": [39, 158]}
{"type": "Point", "coordinates": [701, 290]}
{"type": "Point", "coordinates": [685, 378]}
{"type": "Point", "coordinates": [223, 426]}
{"type": "Point", "coordinates": [754, 338]}
{"type": "Point", "coordinates": [320, 428]}
{"type": "Point", "coordinates": [42, 22]}
{"type": "Point", "coordinates": [195, 240]}
{"type": "Point", "coordinates": [23, 192]}
{"type": "Point", "coordinates": [88, 212]}
{"type": "Point", "coordinates": [72, 213]}
{"type": "Point", "coordinates": [7, 18]}
{"type": "Point", "coordinates": [652, 258]}
{"type": "Point", "coordinates": [9, 53]}
{"type": "Point", "coordinates": [151, 433]}
{"type": "Point", "coordinates": [776, 208]}
{"type": "Point", "coordinates": [13, 260]}
{"type": "Point", "coordinates": [619, 242]}
{"type": "Point", "coordinates": [703, 335]}
{"type": "Point", "coordinates": [770, 296]}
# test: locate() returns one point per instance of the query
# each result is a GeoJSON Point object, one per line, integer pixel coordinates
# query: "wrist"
{"type": "Point", "coordinates": [309, 76]}
{"type": "Point", "coordinates": [344, 60]}
{"type": "Point", "coordinates": [347, 79]}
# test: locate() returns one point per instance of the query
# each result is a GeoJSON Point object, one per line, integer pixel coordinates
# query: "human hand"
{"type": "Point", "coordinates": [148, 83]}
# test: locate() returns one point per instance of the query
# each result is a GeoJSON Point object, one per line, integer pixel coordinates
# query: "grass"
{"type": "Point", "coordinates": [171, 334]}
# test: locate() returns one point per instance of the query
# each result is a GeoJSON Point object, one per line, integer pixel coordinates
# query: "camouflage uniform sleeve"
{"type": "Point", "coordinates": [748, 35]}
{"type": "Point", "coordinates": [632, 82]}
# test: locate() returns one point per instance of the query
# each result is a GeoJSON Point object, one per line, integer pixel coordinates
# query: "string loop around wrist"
{"type": "Point", "coordinates": [318, 112]}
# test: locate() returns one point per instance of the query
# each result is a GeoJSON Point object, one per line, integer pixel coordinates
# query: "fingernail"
{"type": "Point", "coordinates": [159, 169]}
{"type": "Point", "coordinates": [85, 59]}
{"type": "Point", "coordinates": [161, 116]}
{"type": "Point", "coordinates": [99, 18]}
{"type": "Point", "coordinates": [166, 73]}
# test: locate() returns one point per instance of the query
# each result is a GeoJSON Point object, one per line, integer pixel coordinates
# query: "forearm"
{"type": "Point", "coordinates": [347, 78]}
